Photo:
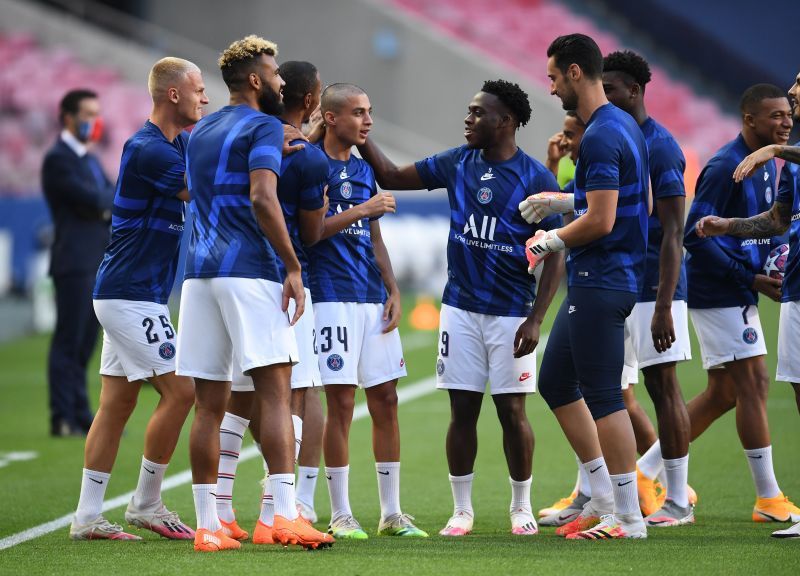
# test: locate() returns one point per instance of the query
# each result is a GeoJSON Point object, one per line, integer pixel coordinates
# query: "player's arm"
{"type": "Point", "coordinates": [387, 174]}
{"type": "Point", "coordinates": [763, 155]}
{"type": "Point", "coordinates": [269, 216]}
{"type": "Point", "coordinates": [529, 332]}
{"type": "Point", "coordinates": [596, 222]}
{"type": "Point", "coordinates": [671, 215]}
{"type": "Point", "coordinates": [773, 222]}
{"type": "Point", "coordinates": [392, 309]}
{"type": "Point", "coordinates": [554, 152]}
{"type": "Point", "coordinates": [376, 206]}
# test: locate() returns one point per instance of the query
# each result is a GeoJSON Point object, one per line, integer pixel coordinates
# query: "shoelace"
{"type": "Point", "coordinates": [348, 522]}
{"type": "Point", "coordinates": [401, 520]}
{"type": "Point", "coordinates": [107, 526]}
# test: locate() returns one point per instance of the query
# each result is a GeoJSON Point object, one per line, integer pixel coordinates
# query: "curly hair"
{"type": "Point", "coordinates": [630, 64]}
{"type": "Point", "coordinates": [238, 59]}
{"type": "Point", "coordinates": [512, 96]}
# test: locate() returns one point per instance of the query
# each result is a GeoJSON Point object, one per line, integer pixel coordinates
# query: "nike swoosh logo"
{"type": "Point", "coordinates": [656, 522]}
{"type": "Point", "coordinates": [756, 457]}
{"type": "Point", "coordinates": [624, 483]}
{"type": "Point", "coordinates": [486, 177]}
{"type": "Point", "coordinates": [148, 469]}
{"type": "Point", "coordinates": [95, 480]}
{"type": "Point", "coordinates": [595, 470]}
{"type": "Point", "coordinates": [328, 477]}
{"type": "Point", "coordinates": [384, 473]}
{"type": "Point", "coordinates": [567, 517]}
{"type": "Point", "coordinates": [310, 477]}
{"type": "Point", "coordinates": [287, 483]}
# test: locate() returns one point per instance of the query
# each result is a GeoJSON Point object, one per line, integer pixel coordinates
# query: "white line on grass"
{"type": "Point", "coordinates": [404, 394]}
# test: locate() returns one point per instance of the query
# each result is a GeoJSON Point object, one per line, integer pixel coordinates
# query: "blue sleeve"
{"type": "Point", "coordinates": [667, 166]}
{"type": "Point", "coordinates": [786, 186]}
{"type": "Point", "coordinates": [601, 153]}
{"type": "Point", "coordinates": [163, 167]}
{"type": "Point", "coordinates": [714, 187]}
{"type": "Point", "coordinates": [569, 188]}
{"type": "Point", "coordinates": [438, 171]}
{"type": "Point", "coordinates": [545, 182]}
{"type": "Point", "coordinates": [266, 146]}
{"type": "Point", "coordinates": [315, 178]}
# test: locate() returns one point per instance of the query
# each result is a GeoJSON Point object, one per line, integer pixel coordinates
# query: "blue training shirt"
{"type": "Point", "coordinates": [667, 165]}
{"type": "Point", "coordinates": [720, 270]}
{"type": "Point", "coordinates": [343, 267]}
{"type": "Point", "coordinates": [487, 270]}
{"type": "Point", "coordinates": [147, 220]}
{"type": "Point", "coordinates": [612, 156]}
{"type": "Point", "coordinates": [789, 193]}
{"type": "Point", "coordinates": [223, 149]}
{"type": "Point", "coordinates": [301, 186]}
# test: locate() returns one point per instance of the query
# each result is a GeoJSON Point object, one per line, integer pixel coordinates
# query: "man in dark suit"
{"type": "Point", "coordinates": [80, 197]}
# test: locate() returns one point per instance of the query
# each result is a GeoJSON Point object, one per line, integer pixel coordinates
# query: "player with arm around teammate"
{"type": "Point", "coordinates": [490, 322]}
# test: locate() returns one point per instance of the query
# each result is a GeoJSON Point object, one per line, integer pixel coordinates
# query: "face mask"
{"type": "Point", "coordinates": [90, 130]}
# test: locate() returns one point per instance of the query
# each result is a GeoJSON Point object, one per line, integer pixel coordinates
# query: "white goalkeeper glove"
{"type": "Point", "coordinates": [540, 246]}
{"type": "Point", "coordinates": [539, 206]}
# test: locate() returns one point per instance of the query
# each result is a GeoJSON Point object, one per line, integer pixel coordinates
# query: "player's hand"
{"type": "Point", "coordinates": [527, 338]}
{"type": "Point", "coordinates": [555, 151]}
{"type": "Point", "coordinates": [540, 246]}
{"type": "Point", "coordinates": [769, 287]}
{"type": "Point", "coordinates": [316, 126]}
{"type": "Point", "coordinates": [539, 206]}
{"type": "Point", "coordinates": [392, 311]}
{"type": "Point", "coordinates": [662, 329]}
{"type": "Point", "coordinates": [290, 133]}
{"type": "Point", "coordinates": [326, 202]}
{"type": "Point", "coordinates": [753, 162]}
{"type": "Point", "coordinates": [709, 226]}
{"type": "Point", "coordinates": [379, 205]}
{"type": "Point", "coordinates": [293, 289]}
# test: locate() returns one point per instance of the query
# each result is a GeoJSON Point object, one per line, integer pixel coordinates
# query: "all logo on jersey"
{"type": "Point", "coordinates": [486, 229]}
{"type": "Point", "coordinates": [346, 189]}
{"type": "Point", "coordinates": [343, 174]}
{"type": "Point", "coordinates": [440, 366]}
{"type": "Point", "coordinates": [487, 176]}
{"type": "Point", "coordinates": [484, 195]}
{"type": "Point", "coordinates": [166, 351]}
{"type": "Point", "coordinates": [750, 336]}
{"type": "Point", "coordinates": [335, 362]}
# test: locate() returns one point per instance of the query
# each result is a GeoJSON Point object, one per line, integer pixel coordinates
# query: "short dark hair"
{"type": "Point", "coordinates": [630, 64]}
{"type": "Point", "coordinates": [753, 96]}
{"type": "Point", "coordinates": [577, 49]}
{"type": "Point", "coordinates": [71, 102]}
{"type": "Point", "coordinates": [574, 114]}
{"type": "Point", "coordinates": [335, 96]}
{"type": "Point", "coordinates": [300, 78]}
{"type": "Point", "coordinates": [512, 96]}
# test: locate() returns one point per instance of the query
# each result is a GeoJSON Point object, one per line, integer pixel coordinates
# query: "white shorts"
{"type": "Point", "coordinates": [476, 348]}
{"type": "Point", "coordinates": [227, 322]}
{"type": "Point", "coordinates": [727, 334]}
{"type": "Point", "coordinates": [639, 350]}
{"type": "Point", "coordinates": [138, 339]}
{"type": "Point", "coordinates": [305, 374]}
{"type": "Point", "coordinates": [789, 343]}
{"type": "Point", "coordinates": [352, 346]}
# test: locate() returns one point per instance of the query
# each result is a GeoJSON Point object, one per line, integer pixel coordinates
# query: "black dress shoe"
{"type": "Point", "coordinates": [63, 429]}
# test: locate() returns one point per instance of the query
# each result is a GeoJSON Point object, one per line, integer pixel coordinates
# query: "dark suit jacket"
{"type": "Point", "coordinates": [80, 197]}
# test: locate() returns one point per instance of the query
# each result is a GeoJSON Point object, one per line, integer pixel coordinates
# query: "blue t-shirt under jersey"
{"type": "Point", "coordinates": [223, 149]}
{"type": "Point", "coordinates": [789, 193]}
{"type": "Point", "coordinates": [487, 271]}
{"type": "Point", "coordinates": [720, 270]}
{"type": "Point", "coordinates": [667, 165]}
{"type": "Point", "coordinates": [612, 156]}
{"type": "Point", "coordinates": [343, 267]}
{"type": "Point", "coordinates": [147, 220]}
{"type": "Point", "coordinates": [301, 186]}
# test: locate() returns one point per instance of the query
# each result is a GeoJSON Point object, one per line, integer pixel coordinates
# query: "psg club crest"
{"type": "Point", "coordinates": [346, 189]}
{"type": "Point", "coordinates": [768, 194]}
{"type": "Point", "coordinates": [485, 195]}
{"type": "Point", "coordinates": [750, 336]}
{"type": "Point", "coordinates": [335, 362]}
{"type": "Point", "coordinates": [166, 351]}
{"type": "Point", "coordinates": [440, 366]}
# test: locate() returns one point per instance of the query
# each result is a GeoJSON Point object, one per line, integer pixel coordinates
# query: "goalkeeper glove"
{"type": "Point", "coordinates": [539, 206]}
{"type": "Point", "coordinates": [540, 246]}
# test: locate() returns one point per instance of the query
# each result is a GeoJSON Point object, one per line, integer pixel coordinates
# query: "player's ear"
{"type": "Point", "coordinates": [307, 100]}
{"type": "Point", "coordinates": [635, 90]}
{"type": "Point", "coordinates": [254, 80]}
{"type": "Point", "coordinates": [748, 120]}
{"type": "Point", "coordinates": [172, 95]}
{"type": "Point", "coordinates": [574, 72]}
{"type": "Point", "coordinates": [329, 117]}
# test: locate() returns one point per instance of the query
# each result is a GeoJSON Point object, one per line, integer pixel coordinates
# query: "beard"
{"type": "Point", "coordinates": [569, 100]}
{"type": "Point", "coordinates": [269, 101]}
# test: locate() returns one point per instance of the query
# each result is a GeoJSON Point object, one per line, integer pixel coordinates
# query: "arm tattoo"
{"type": "Point", "coordinates": [774, 222]}
{"type": "Point", "coordinates": [789, 153]}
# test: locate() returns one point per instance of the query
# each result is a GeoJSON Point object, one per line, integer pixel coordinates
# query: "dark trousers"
{"type": "Point", "coordinates": [72, 346]}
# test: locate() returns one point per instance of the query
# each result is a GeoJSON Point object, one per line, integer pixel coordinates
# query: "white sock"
{"type": "Point", "coordinates": [267, 515]}
{"type": "Point", "coordinates": [651, 462]}
{"type": "Point", "coordinates": [231, 433]}
{"type": "Point", "coordinates": [583, 486]}
{"type": "Point", "coordinates": [283, 495]}
{"type": "Point", "coordinates": [760, 461]}
{"type": "Point", "coordinates": [599, 480]}
{"type": "Point", "coordinates": [298, 435]}
{"type": "Point", "coordinates": [205, 506]}
{"type": "Point", "coordinates": [306, 485]}
{"type": "Point", "coordinates": [626, 495]}
{"type": "Point", "coordinates": [662, 477]}
{"type": "Point", "coordinates": [677, 471]}
{"type": "Point", "coordinates": [520, 495]}
{"type": "Point", "coordinates": [148, 490]}
{"type": "Point", "coordinates": [338, 489]}
{"type": "Point", "coordinates": [388, 488]}
{"type": "Point", "coordinates": [462, 493]}
{"type": "Point", "coordinates": [93, 490]}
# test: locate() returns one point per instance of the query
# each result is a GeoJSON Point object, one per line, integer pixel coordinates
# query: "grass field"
{"type": "Point", "coordinates": [724, 540]}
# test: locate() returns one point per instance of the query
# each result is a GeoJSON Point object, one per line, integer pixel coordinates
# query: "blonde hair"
{"type": "Point", "coordinates": [166, 73]}
{"type": "Point", "coordinates": [237, 59]}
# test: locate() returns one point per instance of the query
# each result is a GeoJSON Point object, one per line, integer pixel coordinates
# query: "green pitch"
{"type": "Point", "coordinates": [724, 540]}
